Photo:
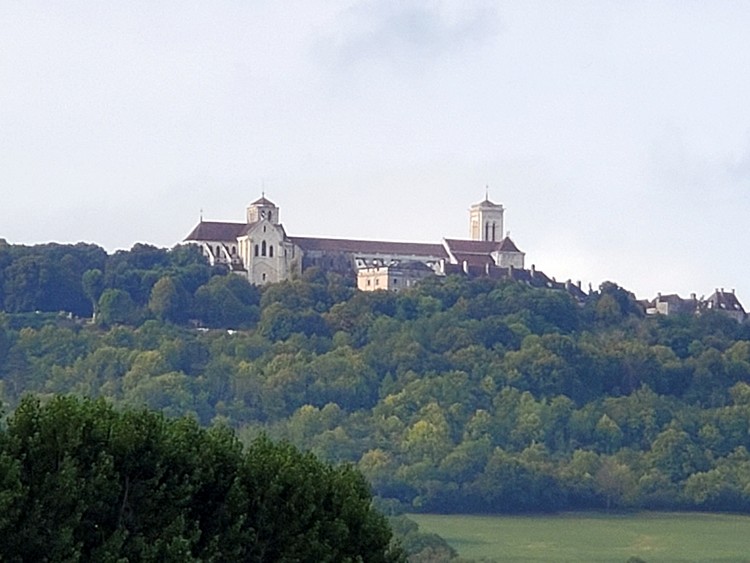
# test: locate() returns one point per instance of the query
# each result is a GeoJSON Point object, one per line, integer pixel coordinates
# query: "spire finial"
{"type": "Point", "coordinates": [487, 192]}
{"type": "Point", "coordinates": [201, 215]}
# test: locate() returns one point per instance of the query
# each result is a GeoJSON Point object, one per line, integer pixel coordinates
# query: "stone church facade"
{"type": "Point", "coordinates": [261, 250]}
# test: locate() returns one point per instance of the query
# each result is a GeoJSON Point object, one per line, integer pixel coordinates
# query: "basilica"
{"type": "Point", "coordinates": [260, 249]}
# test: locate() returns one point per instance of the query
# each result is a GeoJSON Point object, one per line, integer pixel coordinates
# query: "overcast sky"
{"type": "Point", "coordinates": [616, 134]}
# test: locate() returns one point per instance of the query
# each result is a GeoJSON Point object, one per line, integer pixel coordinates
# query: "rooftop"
{"type": "Point", "coordinates": [216, 231]}
{"type": "Point", "coordinates": [263, 201]}
{"type": "Point", "coordinates": [369, 246]}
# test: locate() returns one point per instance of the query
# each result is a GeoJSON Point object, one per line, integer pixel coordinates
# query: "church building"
{"type": "Point", "coordinates": [261, 250]}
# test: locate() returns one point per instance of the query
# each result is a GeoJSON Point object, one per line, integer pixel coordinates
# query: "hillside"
{"type": "Point", "coordinates": [457, 396]}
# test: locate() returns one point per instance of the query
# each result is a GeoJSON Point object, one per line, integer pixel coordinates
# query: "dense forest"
{"type": "Point", "coordinates": [457, 396]}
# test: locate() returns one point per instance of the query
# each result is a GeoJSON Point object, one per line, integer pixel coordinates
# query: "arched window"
{"type": "Point", "coordinates": [218, 251]}
{"type": "Point", "coordinates": [270, 250]}
{"type": "Point", "coordinates": [256, 249]}
{"type": "Point", "coordinates": [270, 214]}
{"type": "Point", "coordinates": [234, 250]}
{"type": "Point", "coordinates": [487, 231]}
{"type": "Point", "coordinates": [494, 228]}
{"type": "Point", "coordinates": [263, 248]}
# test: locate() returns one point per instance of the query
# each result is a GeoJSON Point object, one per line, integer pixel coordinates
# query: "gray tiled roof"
{"type": "Point", "coordinates": [473, 259]}
{"type": "Point", "coordinates": [488, 203]}
{"type": "Point", "coordinates": [216, 231]}
{"type": "Point", "coordinates": [507, 245]}
{"type": "Point", "coordinates": [263, 201]}
{"type": "Point", "coordinates": [460, 246]}
{"type": "Point", "coordinates": [726, 301]}
{"type": "Point", "coordinates": [369, 246]}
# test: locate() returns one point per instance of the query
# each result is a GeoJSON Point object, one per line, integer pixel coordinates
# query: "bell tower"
{"type": "Point", "coordinates": [263, 210]}
{"type": "Point", "coordinates": [486, 221]}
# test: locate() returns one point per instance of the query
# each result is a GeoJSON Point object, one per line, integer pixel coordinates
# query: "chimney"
{"type": "Point", "coordinates": [578, 283]}
{"type": "Point", "coordinates": [533, 270]}
{"type": "Point", "coordinates": [692, 296]}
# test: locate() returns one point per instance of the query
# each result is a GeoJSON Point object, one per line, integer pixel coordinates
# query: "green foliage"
{"type": "Point", "coordinates": [92, 282]}
{"type": "Point", "coordinates": [82, 481]}
{"type": "Point", "coordinates": [227, 301]}
{"type": "Point", "coordinates": [456, 395]}
{"type": "Point", "coordinates": [47, 277]}
{"type": "Point", "coordinates": [422, 547]}
{"type": "Point", "coordinates": [169, 300]}
{"type": "Point", "coordinates": [116, 307]}
{"type": "Point", "coordinates": [73, 278]}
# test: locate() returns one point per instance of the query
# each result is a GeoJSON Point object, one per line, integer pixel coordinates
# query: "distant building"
{"type": "Point", "coordinates": [486, 221]}
{"type": "Point", "coordinates": [725, 302]}
{"type": "Point", "coordinates": [503, 253]}
{"type": "Point", "coordinates": [258, 249]}
{"type": "Point", "coordinates": [261, 250]}
{"type": "Point", "coordinates": [392, 277]}
{"type": "Point", "coordinates": [673, 304]}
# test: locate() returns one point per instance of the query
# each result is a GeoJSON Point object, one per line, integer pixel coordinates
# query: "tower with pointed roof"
{"type": "Point", "coordinates": [263, 209]}
{"type": "Point", "coordinates": [486, 221]}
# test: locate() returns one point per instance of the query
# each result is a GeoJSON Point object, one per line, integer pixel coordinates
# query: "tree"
{"type": "Point", "coordinates": [227, 302]}
{"type": "Point", "coordinates": [615, 481]}
{"type": "Point", "coordinates": [116, 307]}
{"type": "Point", "coordinates": [93, 287]}
{"type": "Point", "coordinates": [4, 340]}
{"type": "Point", "coordinates": [674, 453]}
{"type": "Point", "coordinates": [279, 323]}
{"type": "Point", "coordinates": [614, 302]}
{"type": "Point", "coordinates": [608, 434]}
{"type": "Point", "coordinates": [24, 283]}
{"type": "Point", "coordinates": [82, 481]}
{"type": "Point", "coordinates": [168, 300]}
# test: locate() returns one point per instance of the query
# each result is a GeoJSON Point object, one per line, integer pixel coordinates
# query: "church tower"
{"type": "Point", "coordinates": [268, 255]}
{"type": "Point", "coordinates": [263, 210]}
{"type": "Point", "coordinates": [486, 221]}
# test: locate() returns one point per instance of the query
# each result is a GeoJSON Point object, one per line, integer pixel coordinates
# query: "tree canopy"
{"type": "Point", "coordinates": [81, 480]}
{"type": "Point", "coordinates": [456, 395]}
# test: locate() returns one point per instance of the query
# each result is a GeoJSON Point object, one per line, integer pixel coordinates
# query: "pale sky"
{"type": "Point", "coordinates": [615, 133]}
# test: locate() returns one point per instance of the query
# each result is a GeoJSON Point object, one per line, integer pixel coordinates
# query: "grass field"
{"type": "Point", "coordinates": [651, 536]}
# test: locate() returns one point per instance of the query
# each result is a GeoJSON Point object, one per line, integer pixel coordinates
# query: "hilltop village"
{"type": "Point", "coordinates": [261, 250]}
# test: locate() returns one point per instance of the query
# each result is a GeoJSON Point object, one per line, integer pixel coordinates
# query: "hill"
{"type": "Point", "coordinates": [457, 396]}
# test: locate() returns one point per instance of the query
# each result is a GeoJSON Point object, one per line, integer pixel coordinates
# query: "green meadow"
{"type": "Point", "coordinates": [650, 536]}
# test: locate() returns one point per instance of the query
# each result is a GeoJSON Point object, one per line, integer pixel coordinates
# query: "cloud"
{"type": "Point", "coordinates": [406, 34]}
{"type": "Point", "coordinates": [680, 168]}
